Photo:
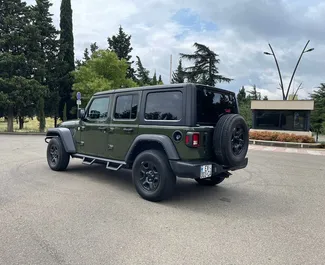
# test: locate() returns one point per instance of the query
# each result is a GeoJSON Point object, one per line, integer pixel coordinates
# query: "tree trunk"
{"type": "Point", "coordinates": [55, 121]}
{"type": "Point", "coordinates": [21, 123]}
{"type": "Point", "coordinates": [317, 137]}
{"type": "Point", "coordinates": [10, 119]}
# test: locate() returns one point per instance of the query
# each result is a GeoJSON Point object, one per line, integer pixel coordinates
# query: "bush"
{"type": "Point", "coordinates": [280, 137]}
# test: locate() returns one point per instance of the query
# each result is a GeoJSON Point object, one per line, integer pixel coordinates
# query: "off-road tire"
{"type": "Point", "coordinates": [223, 140]}
{"type": "Point", "coordinates": [167, 179]}
{"type": "Point", "coordinates": [63, 158]}
{"type": "Point", "coordinates": [214, 180]}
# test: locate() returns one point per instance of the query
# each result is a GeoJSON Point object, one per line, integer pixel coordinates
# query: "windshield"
{"type": "Point", "coordinates": [211, 103]}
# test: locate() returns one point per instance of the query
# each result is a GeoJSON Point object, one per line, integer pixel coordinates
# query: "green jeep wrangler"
{"type": "Point", "coordinates": [160, 132]}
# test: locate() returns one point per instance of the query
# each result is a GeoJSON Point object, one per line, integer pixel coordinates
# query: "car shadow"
{"type": "Point", "coordinates": [243, 199]}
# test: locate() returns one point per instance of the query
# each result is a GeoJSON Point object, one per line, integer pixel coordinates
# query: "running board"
{"type": "Point", "coordinates": [114, 165]}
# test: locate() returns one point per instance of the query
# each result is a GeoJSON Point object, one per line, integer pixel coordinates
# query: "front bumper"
{"type": "Point", "coordinates": [192, 169]}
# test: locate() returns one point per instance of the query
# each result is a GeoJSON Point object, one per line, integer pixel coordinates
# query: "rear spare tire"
{"type": "Point", "coordinates": [230, 140]}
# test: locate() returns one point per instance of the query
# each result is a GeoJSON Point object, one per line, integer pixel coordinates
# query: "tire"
{"type": "Point", "coordinates": [57, 158]}
{"type": "Point", "coordinates": [154, 187]}
{"type": "Point", "coordinates": [231, 140]}
{"type": "Point", "coordinates": [214, 180]}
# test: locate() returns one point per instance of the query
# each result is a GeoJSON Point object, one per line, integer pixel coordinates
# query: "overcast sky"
{"type": "Point", "coordinates": [238, 30]}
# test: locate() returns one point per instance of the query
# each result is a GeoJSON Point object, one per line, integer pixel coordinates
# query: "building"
{"type": "Point", "coordinates": [285, 116]}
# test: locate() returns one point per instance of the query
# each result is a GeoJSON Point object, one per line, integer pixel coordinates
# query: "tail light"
{"type": "Point", "coordinates": [192, 139]}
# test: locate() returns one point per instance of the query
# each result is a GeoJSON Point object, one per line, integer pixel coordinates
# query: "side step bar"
{"type": "Point", "coordinates": [114, 165]}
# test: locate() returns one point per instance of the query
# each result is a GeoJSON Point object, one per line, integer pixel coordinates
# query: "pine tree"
{"type": "Point", "coordinates": [154, 80]}
{"type": "Point", "coordinates": [179, 75]}
{"type": "Point", "coordinates": [18, 91]}
{"type": "Point", "coordinates": [204, 68]}
{"type": "Point", "coordinates": [254, 95]}
{"type": "Point", "coordinates": [142, 74]}
{"type": "Point", "coordinates": [265, 98]}
{"type": "Point", "coordinates": [241, 96]}
{"type": "Point", "coordinates": [48, 47]}
{"type": "Point", "coordinates": [66, 57]}
{"type": "Point", "coordinates": [318, 115]}
{"type": "Point", "coordinates": [160, 82]}
{"type": "Point", "coordinates": [121, 45]}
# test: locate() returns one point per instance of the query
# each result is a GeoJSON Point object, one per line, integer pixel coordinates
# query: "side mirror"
{"type": "Point", "coordinates": [81, 113]}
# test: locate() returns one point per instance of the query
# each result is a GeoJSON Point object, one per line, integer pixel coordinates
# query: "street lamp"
{"type": "Point", "coordinates": [285, 96]}
{"type": "Point", "coordinates": [277, 66]}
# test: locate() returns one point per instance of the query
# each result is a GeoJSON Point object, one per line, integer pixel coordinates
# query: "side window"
{"type": "Point", "coordinates": [126, 107]}
{"type": "Point", "coordinates": [98, 109]}
{"type": "Point", "coordinates": [164, 106]}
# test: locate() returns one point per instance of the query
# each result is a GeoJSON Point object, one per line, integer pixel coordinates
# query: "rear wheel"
{"type": "Point", "coordinates": [214, 180]}
{"type": "Point", "coordinates": [152, 176]}
{"type": "Point", "coordinates": [57, 158]}
{"type": "Point", "coordinates": [230, 140]}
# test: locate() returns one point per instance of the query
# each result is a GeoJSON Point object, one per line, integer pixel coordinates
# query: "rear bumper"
{"type": "Point", "coordinates": [192, 169]}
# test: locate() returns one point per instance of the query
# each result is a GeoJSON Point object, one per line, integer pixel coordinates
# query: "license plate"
{"type": "Point", "coordinates": [206, 171]}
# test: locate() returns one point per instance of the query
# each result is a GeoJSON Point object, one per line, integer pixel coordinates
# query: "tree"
{"type": "Point", "coordinates": [244, 103]}
{"type": "Point", "coordinates": [66, 57]}
{"type": "Point", "coordinates": [204, 69]}
{"type": "Point", "coordinates": [142, 74]}
{"type": "Point", "coordinates": [318, 114]}
{"type": "Point", "coordinates": [265, 98]}
{"type": "Point", "coordinates": [121, 45]}
{"type": "Point", "coordinates": [241, 96]}
{"type": "Point", "coordinates": [46, 46]}
{"type": "Point", "coordinates": [154, 80]}
{"type": "Point", "coordinates": [160, 82]}
{"type": "Point", "coordinates": [179, 75]}
{"type": "Point", "coordinates": [254, 94]}
{"type": "Point", "coordinates": [103, 71]}
{"type": "Point", "coordinates": [87, 54]}
{"type": "Point", "coordinates": [19, 93]}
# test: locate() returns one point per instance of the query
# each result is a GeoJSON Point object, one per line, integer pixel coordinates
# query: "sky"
{"type": "Point", "coordinates": [239, 31]}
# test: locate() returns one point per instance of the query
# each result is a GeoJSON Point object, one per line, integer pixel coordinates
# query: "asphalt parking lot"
{"type": "Point", "coordinates": [270, 213]}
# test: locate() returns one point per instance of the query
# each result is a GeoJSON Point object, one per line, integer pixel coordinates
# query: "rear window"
{"type": "Point", "coordinates": [211, 103]}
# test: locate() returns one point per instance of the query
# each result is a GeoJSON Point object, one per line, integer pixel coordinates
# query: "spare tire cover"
{"type": "Point", "coordinates": [230, 140]}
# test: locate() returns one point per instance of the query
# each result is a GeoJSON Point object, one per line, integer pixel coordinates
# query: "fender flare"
{"type": "Point", "coordinates": [163, 140]}
{"type": "Point", "coordinates": [66, 137]}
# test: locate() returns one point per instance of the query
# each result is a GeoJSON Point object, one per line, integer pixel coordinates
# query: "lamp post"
{"type": "Point", "coordinates": [285, 95]}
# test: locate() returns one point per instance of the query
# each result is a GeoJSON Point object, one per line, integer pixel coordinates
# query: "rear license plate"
{"type": "Point", "coordinates": [206, 171]}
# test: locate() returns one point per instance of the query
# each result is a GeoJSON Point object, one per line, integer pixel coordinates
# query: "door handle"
{"type": "Point", "coordinates": [128, 130]}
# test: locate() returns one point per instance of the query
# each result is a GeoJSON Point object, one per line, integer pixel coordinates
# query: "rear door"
{"type": "Point", "coordinates": [211, 104]}
{"type": "Point", "coordinates": [124, 125]}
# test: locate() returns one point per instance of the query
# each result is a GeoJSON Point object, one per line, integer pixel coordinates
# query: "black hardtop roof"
{"type": "Point", "coordinates": [156, 87]}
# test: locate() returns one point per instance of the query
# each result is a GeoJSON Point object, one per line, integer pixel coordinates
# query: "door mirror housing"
{"type": "Point", "coordinates": [82, 113]}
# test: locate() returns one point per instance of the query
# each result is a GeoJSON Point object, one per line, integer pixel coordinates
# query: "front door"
{"type": "Point", "coordinates": [93, 127]}
{"type": "Point", "coordinates": [124, 125]}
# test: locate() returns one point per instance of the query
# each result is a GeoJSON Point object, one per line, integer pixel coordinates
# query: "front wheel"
{"type": "Point", "coordinates": [152, 176]}
{"type": "Point", "coordinates": [57, 158]}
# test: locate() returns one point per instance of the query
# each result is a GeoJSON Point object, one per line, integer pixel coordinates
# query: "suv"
{"type": "Point", "coordinates": [160, 132]}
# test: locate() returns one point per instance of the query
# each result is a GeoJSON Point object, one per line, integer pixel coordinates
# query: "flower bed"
{"type": "Point", "coordinates": [280, 137]}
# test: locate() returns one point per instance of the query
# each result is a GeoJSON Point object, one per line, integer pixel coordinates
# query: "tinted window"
{"type": "Point", "coordinates": [98, 109]}
{"type": "Point", "coordinates": [212, 103]}
{"type": "Point", "coordinates": [164, 106]}
{"type": "Point", "coordinates": [126, 107]}
{"type": "Point", "coordinates": [281, 120]}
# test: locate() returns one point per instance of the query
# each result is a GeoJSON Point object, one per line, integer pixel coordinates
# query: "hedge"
{"type": "Point", "coordinates": [280, 137]}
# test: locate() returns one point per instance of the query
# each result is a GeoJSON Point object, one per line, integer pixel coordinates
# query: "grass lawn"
{"type": "Point", "coordinates": [31, 125]}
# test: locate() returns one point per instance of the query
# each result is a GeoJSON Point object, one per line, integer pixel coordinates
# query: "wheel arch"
{"type": "Point", "coordinates": [66, 137]}
{"type": "Point", "coordinates": [151, 141]}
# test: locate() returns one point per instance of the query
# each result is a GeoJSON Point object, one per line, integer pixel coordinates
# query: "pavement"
{"type": "Point", "coordinates": [308, 151]}
{"type": "Point", "coordinates": [272, 212]}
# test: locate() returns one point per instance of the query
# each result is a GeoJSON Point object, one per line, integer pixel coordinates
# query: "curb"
{"type": "Point", "coordinates": [285, 144]}
{"type": "Point", "coordinates": [22, 133]}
